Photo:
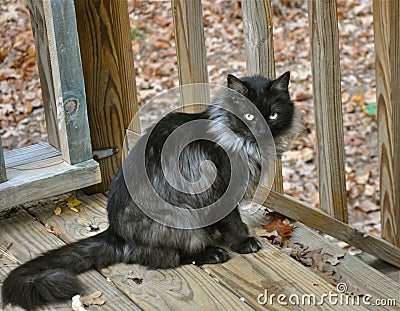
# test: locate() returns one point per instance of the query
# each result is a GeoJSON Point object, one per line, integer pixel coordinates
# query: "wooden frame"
{"type": "Point", "coordinates": [66, 164]}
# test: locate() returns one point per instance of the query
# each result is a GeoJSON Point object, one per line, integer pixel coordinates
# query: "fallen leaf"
{"type": "Point", "coordinates": [73, 203]}
{"type": "Point", "coordinates": [57, 210]}
{"type": "Point", "coordinates": [52, 230]}
{"type": "Point", "coordinates": [278, 229]}
{"type": "Point", "coordinates": [92, 299]}
{"type": "Point", "coordinates": [335, 259]}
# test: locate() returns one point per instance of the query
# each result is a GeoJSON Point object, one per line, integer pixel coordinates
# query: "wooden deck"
{"type": "Point", "coordinates": [234, 285]}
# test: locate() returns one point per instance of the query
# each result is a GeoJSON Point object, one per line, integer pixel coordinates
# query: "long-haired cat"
{"type": "Point", "coordinates": [133, 235]}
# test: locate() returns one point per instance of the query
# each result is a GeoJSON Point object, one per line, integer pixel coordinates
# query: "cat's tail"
{"type": "Point", "coordinates": [52, 276]}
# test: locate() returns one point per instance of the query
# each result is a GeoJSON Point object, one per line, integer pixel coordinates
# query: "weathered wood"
{"type": "Point", "coordinates": [322, 221]}
{"type": "Point", "coordinates": [3, 174]}
{"type": "Point", "coordinates": [183, 288]}
{"type": "Point", "coordinates": [258, 37]}
{"type": "Point", "coordinates": [381, 266]}
{"type": "Point", "coordinates": [191, 52]}
{"type": "Point", "coordinates": [272, 270]}
{"type": "Point", "coordinates": [387, 62]}
{"type": "Point", "coordinates": [43, 61]}
{"type": "Point", "coordinates": [39, 171]}
{"type": "Point", "coordinates": [68, 86]}
{"type": "Point", "coordinates": [29, 238]}
{"type": "Point", "coordinates": [107, 57]}
{"type": "Point", "coordinates": [259, 50]}
{"type": "Point", "coordinates": [324, 40]}
{"type": "Point", "coordinates": [358, 276]}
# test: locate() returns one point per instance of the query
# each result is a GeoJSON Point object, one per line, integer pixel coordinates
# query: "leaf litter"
{"type": "Point", "coordinates": [278, 231]}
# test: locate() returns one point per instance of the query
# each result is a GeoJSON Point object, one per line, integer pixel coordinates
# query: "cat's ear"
{"type": "Point", "coordinates": [237, 85]}
{"type": "Point", "coordinates": [282, 83]}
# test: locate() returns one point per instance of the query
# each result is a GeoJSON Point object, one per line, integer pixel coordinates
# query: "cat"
{"type": "Point", "coordinates": [144, 231]}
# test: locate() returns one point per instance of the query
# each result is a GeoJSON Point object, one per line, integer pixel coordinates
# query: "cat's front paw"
{"type": "Point", "coordinates": [248, 245]}
{"type": "Point", "coordinates": [212, 255]}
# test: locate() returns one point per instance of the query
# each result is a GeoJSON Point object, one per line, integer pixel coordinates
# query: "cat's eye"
{"type": "Point", "coordinates": [249, 116]}
{"type": "Point", "coordinates": [273, 116]}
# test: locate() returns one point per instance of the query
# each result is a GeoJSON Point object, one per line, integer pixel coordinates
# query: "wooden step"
{"type": "Point", "coordinates": [29, 238]}
{"type": "Point", "coordinates": [38, 171]}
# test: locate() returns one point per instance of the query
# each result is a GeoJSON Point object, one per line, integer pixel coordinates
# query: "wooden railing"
{"type": "Point", "coordinates": [332, 218]}
{"type": "Point", "coordinates": [111, 110]}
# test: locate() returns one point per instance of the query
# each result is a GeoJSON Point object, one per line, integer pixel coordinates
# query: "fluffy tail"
{"type": "Point", "coordinates": [52, 276]}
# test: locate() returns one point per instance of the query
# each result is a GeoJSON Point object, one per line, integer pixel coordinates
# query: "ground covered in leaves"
{"type": "Point", "coordinates": [22, 115]}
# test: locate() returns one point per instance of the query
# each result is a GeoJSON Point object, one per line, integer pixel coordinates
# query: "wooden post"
{"type": "Point", "coordinates": [259, 49]}
{"type": "Point", "coordinates": [3, 175]}
{"type": "Point", "coordinates": [108, 68]}
{"type": "Point", "coordinates": [387, 60]}
{"type": "Point", "coordinates": [62, 76]}
{"type": "Point", "coordinates": [43, 61]}
{"type": "Point", "coordinates": [324, 40]}
{"type": "Point", "coordinates": [191, 51]}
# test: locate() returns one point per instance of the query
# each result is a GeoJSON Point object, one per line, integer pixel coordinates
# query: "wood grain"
{"type": "Point", "coordinates": [322, 221]}
{"type": "Point", "coordinates": [358, 276]}
{"type": "Point", "coordinates": [191, 52]}
{"type": "Point", "coordinates": [324, 40]}
{"type": "Point", "coordinates": [43, 61]}
{"type": "Point", "coordinates": [67, 77]}
{"type": "Point", "coordinates": [39, 171]}
{"type": "Point", "coordinates": [259, 51]}
{"type": "Point", "coordinates": [107, 57]}
{"type": "Point", "coordinates": [258, 37]}
{"type": "Point", "coordinates": [29, 238]}
{"type": "Point", "coordinates": [271, 270]}
{"type": "Point", "coordinates": [3, 174]}
{"type": "Point", "coordinates": [183, 288]}
{"type": "Point", "coordinates": [387, 63]}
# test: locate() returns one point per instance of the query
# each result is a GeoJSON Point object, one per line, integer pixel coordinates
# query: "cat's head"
{"type": "Point", "coordinates": [272, 102]}
{"type": "Point", "coordinates": [271, 97]}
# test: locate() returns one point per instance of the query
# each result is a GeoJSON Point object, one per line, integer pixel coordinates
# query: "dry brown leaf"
{"type": "Point", "coordinates": [58, 210]}
{"type": "Point", "coordinates": [92, 299]}
{"type": "Point", "coordinates": [277, 229]}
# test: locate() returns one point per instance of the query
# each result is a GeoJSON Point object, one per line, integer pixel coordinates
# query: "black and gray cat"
{"type": "Point", "coordinates": [133, 236]}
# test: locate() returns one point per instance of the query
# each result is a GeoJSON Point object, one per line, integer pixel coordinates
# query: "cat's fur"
{"type": "Point", "coordinates": [132, 236]}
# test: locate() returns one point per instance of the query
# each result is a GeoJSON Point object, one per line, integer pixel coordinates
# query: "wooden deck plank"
{"type": "Point", "coordinates": [271, 270]}
{"type": "Point", "coordinates": [381, 266]}
{"type": "Point", "coordinates": [187, 287]}
{"type": "Point", "coordinates": [317, 219]}
{"type": "Point", "coordinates": [358, 276]}
{"type": "Point", "coordinates": [29, 154]}
{"type": "Point", "coordinates": [30, 238]}
{"type": "Point", "coordinates": [37, 172]}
